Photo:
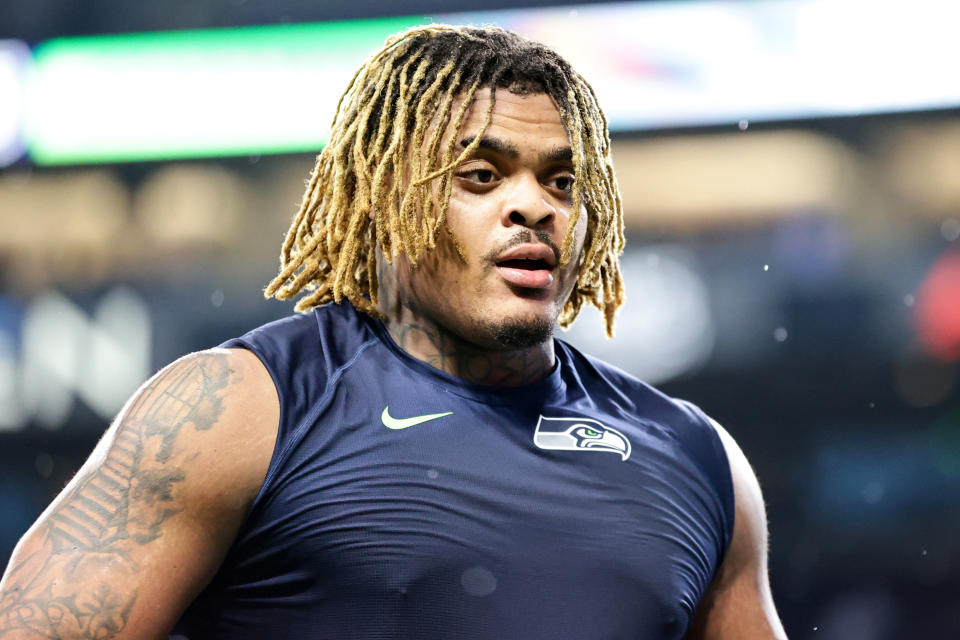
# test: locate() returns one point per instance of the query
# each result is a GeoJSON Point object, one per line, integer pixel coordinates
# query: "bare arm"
{"type": "Point", "coordinates": [146, 521]}
{"type": "Point", "coordinates": [738, 603]}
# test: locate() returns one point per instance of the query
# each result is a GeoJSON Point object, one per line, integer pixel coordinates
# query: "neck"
{"type": "Point", "coordinates": [430, 341]}
{"type": "Point", "coordinates": [427, 341]}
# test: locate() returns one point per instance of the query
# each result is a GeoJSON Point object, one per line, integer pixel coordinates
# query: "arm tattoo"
{"type": "Point", "coordinates": [73, 585]}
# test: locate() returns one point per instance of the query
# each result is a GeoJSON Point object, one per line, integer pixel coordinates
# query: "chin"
{"type": "Point", "coordinates": [512, 332]}
{"type": "Point", "coordinates": [512, 335]}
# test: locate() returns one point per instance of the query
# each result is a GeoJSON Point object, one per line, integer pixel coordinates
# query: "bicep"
{"type": "Point", "coordinates": [147, 520]}
{"type": "Point", "coordinates": [738, 604]}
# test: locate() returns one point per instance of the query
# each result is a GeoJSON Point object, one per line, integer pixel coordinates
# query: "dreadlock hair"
{"type": "Point", "coordinates": [379, 158]}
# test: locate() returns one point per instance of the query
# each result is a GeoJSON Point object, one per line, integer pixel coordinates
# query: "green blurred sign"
{"type": "Point", "coordinates": [194, 93]}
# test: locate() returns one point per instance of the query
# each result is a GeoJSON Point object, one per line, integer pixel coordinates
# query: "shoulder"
{"type": "Point", "coordinates": [301, 354]}
{"type": "Point", "coordinates": [739, 602]}
{"type": "Point", "coordinates": [314, 343]}
{"type": "Point", "coordinates": [635, 396]}
{"type": "Point", "coordinates": [281, 334]}
{"type": "Point", "coordinates": [217, 412]}
{"type": "Point", "coordinates": [689, 431]}
{"type": "Point", "coordinates": [750, 524]}
{"type": "Point", "coordinates": [147, 520]}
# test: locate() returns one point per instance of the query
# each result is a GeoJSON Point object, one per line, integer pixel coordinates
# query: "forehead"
{"type": "Point", "coordinates": [531, 119]}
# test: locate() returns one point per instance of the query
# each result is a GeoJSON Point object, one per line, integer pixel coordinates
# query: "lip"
{"type": "Point", "coordinates": [528, 278]}
{"type": "Point", "coordinates": [529, 251]}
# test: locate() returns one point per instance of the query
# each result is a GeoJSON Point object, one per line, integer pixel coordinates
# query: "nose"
{"type": "Point", "coordinates": [527, 204]}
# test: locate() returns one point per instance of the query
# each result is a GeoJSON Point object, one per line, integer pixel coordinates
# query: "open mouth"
{"type": "Point", "coordinates": [524, 263]}
{"type": "Point", "coordinates": [526, 272]}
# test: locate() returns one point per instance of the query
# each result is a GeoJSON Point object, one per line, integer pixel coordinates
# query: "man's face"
{"type": "Point", "coordinates": [509, 209]}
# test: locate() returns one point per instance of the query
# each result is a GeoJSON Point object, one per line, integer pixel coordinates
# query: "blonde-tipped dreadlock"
{"type": "Point", "coordinates": [378, 143]}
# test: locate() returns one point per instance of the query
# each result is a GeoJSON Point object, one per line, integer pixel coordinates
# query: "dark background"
{"type": "Point", "coordinates": [822, 362]}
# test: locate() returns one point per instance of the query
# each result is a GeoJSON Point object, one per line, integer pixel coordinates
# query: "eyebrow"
{"type": "Point", "coordinates": [557, 154]}
{"type": "Point", "coordinates": [493, 144]}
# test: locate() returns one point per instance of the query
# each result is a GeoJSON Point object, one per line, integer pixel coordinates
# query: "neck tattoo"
{"type": "Point", "coordinates": [426, 340]}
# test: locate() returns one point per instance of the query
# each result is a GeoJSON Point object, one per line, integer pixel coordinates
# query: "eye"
{"type": "Point", "coordinates": [588, 432]}
{"type": "Point", "coordinates": [562, 182]}
{"type": "Point", "coordinates": [479, 176]}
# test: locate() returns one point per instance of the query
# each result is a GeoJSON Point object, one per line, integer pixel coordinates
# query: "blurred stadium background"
{"type": "Point", "coordinates": [791, 179]}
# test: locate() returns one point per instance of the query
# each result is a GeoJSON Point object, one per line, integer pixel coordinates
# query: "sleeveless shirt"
{"type": "Point", "coordinates": [402, 502]}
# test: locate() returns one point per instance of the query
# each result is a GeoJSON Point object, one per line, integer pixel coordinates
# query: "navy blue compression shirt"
{"type": "Point", "coordinates": [402, 502]}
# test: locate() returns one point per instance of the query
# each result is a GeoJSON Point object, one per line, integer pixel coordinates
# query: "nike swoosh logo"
{"type": "Point", "coordinates": [402, 423]}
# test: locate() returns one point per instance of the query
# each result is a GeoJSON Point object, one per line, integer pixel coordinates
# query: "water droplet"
{"type": "Point", "coordinates": [479, 582]}
{"type": "Point", "coordinates": [780, 334]}
{"type": "Point", "coordinates": [743, 124]}
{"type": "Point", "coordinates": [872, 404]}
{"type": "Point", "coordinates": [432, 474]}
{"type": "Point", "coordinates": [766, 267]}
{"type": "Point", "coordinates": [908, 300]}
{"type": "Point", "coordinates": [923, 552]}
{"type": "Point", "coordinates": [216, 298]}
{"type": "Point", "coordinates": [816, 628]}
{"type": "Point", "coordinates": [950, 229]}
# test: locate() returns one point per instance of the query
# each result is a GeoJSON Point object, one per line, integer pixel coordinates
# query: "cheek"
{"type": "Point", "coordinates": [579, 235]}
{"type": "Point", "coordinates": [440, 274]}
{"type": "Point", "coordinates": [470, 228]}
{"type": "Point", "coordinates": [581, 231]}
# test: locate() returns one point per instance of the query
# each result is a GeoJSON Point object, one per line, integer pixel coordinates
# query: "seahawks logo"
{"type": "Point", "coordinates": [579, 434]}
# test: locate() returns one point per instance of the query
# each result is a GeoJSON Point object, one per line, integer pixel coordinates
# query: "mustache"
{"type": "Point", "coordinates": [525, 236]}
